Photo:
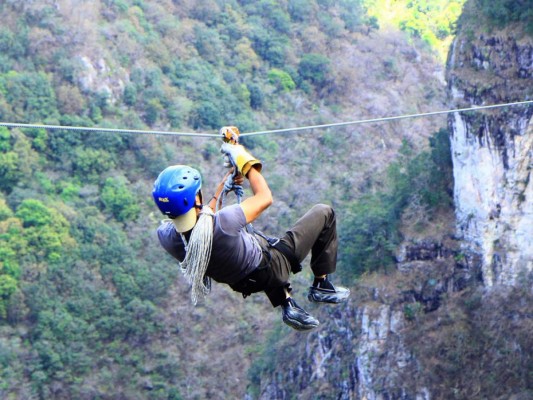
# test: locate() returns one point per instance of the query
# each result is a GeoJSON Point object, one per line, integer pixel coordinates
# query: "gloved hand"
{"type": "Point", "coordinates": [230, 134]}
{"type": "Point", "coordinates": [240, 157]}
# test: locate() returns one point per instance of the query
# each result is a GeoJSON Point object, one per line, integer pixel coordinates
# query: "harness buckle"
{"type": "Point", "coordinates": [272, 242]}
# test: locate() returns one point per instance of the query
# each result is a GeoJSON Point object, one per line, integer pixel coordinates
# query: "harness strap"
{"type": "Point", "coordinates": [259, 279]}
{"type": "Point", "coordinates": [296, 266]}
{"type": "Point", "coordinates": [277, 244]}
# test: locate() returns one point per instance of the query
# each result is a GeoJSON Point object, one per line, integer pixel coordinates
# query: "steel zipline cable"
{"type": "Point", "coordinates": [109, 130]}
{"type": "Point", "coordinates": [385, 119]}
{"type": "Point", "coordinates": [284, 130]}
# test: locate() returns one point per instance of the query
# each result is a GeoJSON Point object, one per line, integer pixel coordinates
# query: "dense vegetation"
{"type": "Point", "coordinates": [416, 186]}
{"type": "Point", "coordinates": [504, 12]}
{"type": "Point", "coordinates": [432, 21]}
{"type": "Point", "coordinates": [84, 289]}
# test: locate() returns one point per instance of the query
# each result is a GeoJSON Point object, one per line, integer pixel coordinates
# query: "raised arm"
{"type": "Point", "coordinates": [262, 198]}
{"type": "Point", "coordinates": [250, 167]}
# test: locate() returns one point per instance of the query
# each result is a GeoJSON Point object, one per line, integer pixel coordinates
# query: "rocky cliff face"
{"type": "Point", "coordinates": [492, 151]}
{"type": "Point", "coordinates": [365, 349]}
{"type": "Point", "coordinates": [431, 330]}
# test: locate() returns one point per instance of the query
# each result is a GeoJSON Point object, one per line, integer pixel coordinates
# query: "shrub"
{"type": "Point", "coordinates": [315, 68]}
{"type": "Point", "coordinates": [89, 164]}
{"type": "Point", "coordinates": [119, 200]}
{"type": "Point", "coordinates": [153, 109]}
{"type": "Point", "coordinates": [17, 159]}
{"type": "Point", "coordinates": [257, 97]}
{"type": "Point", "coordinates": [130, 95]}
{"type": "Point", "coordinates": [8, 285]}
{"type": "Point", "coordinates": [206, 115]}
{"type": "Point", "coordinates": [45, 230]}
{"type": "Point", "coordinates": [352, 14]}
{"type": "Point", "coordinates": [30, 96]}
{"type": "Point", "coordinates": [503, 12]}
{"type": "Point", "coordinates": [369, 233]}
{"type": "Point", "coordinates": [281, 80]}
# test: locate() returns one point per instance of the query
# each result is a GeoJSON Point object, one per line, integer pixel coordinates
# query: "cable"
{"type": "Point", "coordinates": [112, 130]}
{"type": "Point", "coordinates": [301, 128]}
{"type": "Point", "coordinates": [383, 119]}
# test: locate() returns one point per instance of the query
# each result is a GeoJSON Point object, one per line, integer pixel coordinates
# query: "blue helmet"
{"type": "Point", "coordinates": [175, 190]}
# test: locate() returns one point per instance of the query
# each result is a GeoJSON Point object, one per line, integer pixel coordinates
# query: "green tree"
{"type": "Point", "coordinates": [281, 80]}
{"type": "Point", "coordinates": [353, 14]}
{"type": "Point", "coordinates": [12, 44]}
{"type": "Point", "coordinates": [257, 98]}
{"type": "Point", "coordinates": [119, 200]}
{"type": "Point", "coordinates": [206, 115]}
{"type": "Point", "coordinates": [300, 10]}
{"type": "Point", "coordinates": [503, 12]}
{"type": "Point", "coordinates": [89, 164]}
{"type": "Point", "coordinates": [12, 248]}
{"type": "Point", "coordinates": [153, 110]}
{"type": "Point", "coordinates": [369, 233]}
{"type": "Point", "coordinates": [30, 96]}
{"type": "Point", "coordinates": [8, 286]}
{"type": "Point", "coordinates": [17, 158]}
{"type": "Point", "coordinates": [130, 95]}
{"type": "Point", "coordinates": [315, 68]}
{"type": "Point", "coordinates": [45, 230]}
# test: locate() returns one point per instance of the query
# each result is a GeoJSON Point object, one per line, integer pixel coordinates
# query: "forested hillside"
{"type": "Point", "coordinates": [90, 307]}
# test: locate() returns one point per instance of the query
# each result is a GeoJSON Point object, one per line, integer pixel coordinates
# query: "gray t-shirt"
{"type": "Point", "coordinates": [235, 252]}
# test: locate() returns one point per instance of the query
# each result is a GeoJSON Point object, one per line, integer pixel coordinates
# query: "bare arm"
{"type": "Point", "coordinates": [216, 197]}
{"type": "Point", "coordinates": [262, 198]}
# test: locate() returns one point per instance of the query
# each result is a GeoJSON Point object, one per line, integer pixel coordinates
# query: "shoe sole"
{"type": "Point", "coordinates": [298, 325]}
{"type": "Point", "coordinates": [333, 299]}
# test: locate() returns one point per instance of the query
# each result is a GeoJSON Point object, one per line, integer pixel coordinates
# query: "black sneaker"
{"type": "Point", "coordinates": [296, 317]}
{"type": "Point", "coordinates": [328, 293]}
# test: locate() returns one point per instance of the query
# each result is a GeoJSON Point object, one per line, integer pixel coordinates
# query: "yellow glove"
{"type": "Point", "coordinates": [230, 134]}
{"type": "Point", "coordinates": [243, 160]}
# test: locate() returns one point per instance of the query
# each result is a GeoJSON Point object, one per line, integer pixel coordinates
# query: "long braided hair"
{"type": "Point", "coordinates": [198, 254]}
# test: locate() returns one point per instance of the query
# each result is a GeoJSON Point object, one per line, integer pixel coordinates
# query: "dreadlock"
{"type": "Point", "coordinates": [198, 253]}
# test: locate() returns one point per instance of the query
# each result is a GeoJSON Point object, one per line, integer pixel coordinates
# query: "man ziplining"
{"type": "Point", "coordinates": [221, 246]}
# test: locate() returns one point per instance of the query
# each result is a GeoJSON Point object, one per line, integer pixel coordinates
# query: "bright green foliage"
{"type": "Point", "coordinates": [45, 230]}
{"type": "Point", "coordinates": [8, 285]}
{"type": "Point", "coordinates": [17, 158]}
{"type": "Point", "coordinates": [119, 200]}
{"type": "Point", "coordinates": [9, 172]}
{"type": "Point", "coordinates": [433, 21]}
{"type": "Point", "coordinates": [281, 80]}
{"type": "Point", "coordinates": [5, 211]}
{"type": "Point", "coordinates": [38, 136]}
{"type": "Point", "coordinates": [89, 164]}
{"type": "Point", "coordinates": [153, 110]}
{"type": "Point", "coordinates": [12, 246]}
